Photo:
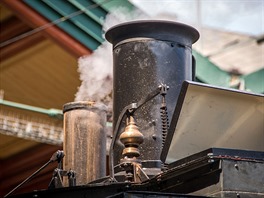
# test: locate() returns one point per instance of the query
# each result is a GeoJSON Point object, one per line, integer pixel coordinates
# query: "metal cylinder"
{"type": "Point", "coordinates": [84, 142]}
{"type": "Point", "coordinates": [147, 54]}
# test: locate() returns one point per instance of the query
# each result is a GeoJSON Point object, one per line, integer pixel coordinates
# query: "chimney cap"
{"type": "Point", "coordinates": [155, 29]}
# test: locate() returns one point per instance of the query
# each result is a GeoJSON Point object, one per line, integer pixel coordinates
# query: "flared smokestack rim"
{"type": "Point", "coordinates": [153, 29]}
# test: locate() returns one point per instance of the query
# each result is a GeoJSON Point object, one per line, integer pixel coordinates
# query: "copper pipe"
{"type": "Point", "coordinates": [84, 141]}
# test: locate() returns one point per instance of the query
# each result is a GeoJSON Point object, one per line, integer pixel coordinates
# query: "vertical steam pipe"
{"type": "Point", "coordinates": [147, 54]}
{"type": "Point", "coordinates": [84, 141]}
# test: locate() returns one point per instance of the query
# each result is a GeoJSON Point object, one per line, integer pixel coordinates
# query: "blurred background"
{"type": "Point", "coordinates": [54, 52]}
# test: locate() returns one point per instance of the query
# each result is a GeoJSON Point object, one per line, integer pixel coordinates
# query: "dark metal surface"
{"type": "Point", "coordinates": [162, 56]}
{"type": "Point", "coordinates": [221, 153]}
{"type": "Point", "coordinates": [114, 190]}
{"type": "Point", "coordinates": [138, 194]}
{"type": "Point", "coordinates": [216, 172]}
{"type": "Point", "coordinates": [238, 178]}
{"type": "Point", "coordinates": [188, 177]}
{"type": "Point", "coordinates": [98, 191]}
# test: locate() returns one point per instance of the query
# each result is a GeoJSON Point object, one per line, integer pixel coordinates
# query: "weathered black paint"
{"type": "Point", "coordinates": [147, 54]}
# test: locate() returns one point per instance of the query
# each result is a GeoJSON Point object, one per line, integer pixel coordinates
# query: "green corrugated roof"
{"type": "Point", "coordinates": [85, 27]}
{"type": "Point", "coordinates": [209, 73]}
{"type": "Point", "coordinates": [255, 81]}
{"type": "Point", "coordinates": [112, 4]}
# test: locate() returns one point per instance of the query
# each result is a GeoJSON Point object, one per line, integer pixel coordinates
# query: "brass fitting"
{"type": "Point", "coordinates": [131, 138]}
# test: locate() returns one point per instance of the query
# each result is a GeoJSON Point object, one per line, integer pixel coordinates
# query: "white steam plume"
{"type": "Point", "coordinates": [96, 75]}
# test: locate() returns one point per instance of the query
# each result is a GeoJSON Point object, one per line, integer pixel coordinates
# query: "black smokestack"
{"type": "Point", "coordinates": [145, 55]}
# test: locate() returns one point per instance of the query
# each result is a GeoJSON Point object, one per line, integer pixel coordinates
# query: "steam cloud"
{"type": "Point", "coordinates": [96, 70]}
{"type": "Point", "coordinates": [96, 76]}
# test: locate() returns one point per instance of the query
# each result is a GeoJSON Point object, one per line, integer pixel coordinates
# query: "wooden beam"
{"type": "Point", "coordinates": [35, 20]}
{"type": "Point", "coordinates": [20, 45]}
{"type": "Point", "coordinates": [12, 27]}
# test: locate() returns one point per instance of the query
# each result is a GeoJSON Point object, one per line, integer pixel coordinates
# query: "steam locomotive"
{"type": "Point", "coordinates": [172, 136]}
